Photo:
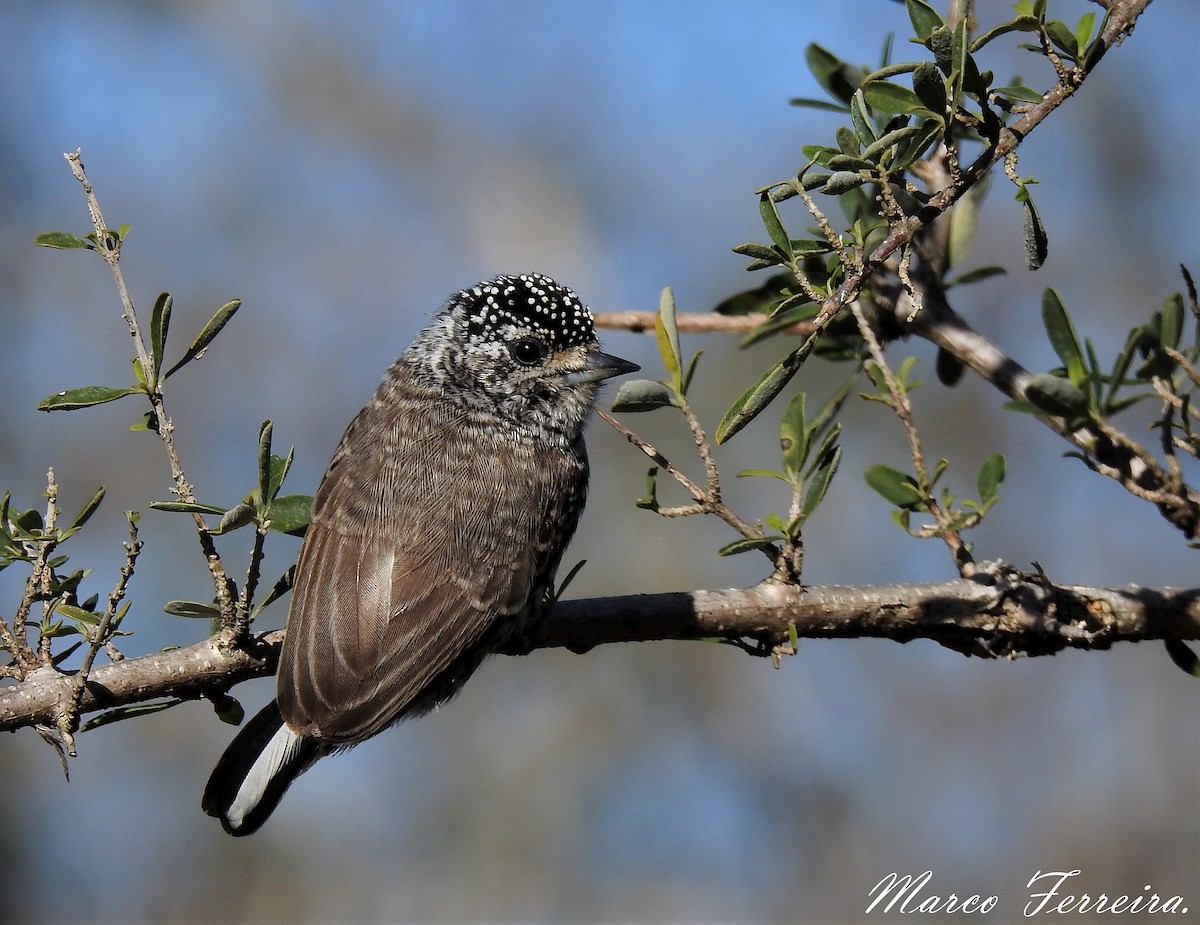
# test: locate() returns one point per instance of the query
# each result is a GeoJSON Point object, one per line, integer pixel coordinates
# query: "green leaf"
{"type": "Point", "coordinates": [843, 181]}
{"type": "Point", "coordinates": [235, 518]}
{"type": "Point", "coordinates": [228, 709]}
{"type": "Point", "coordinates": [761, 473]}
{"type": "Point", "coordinates": [668, 336]}
{"type": "Point", "coordinates": [1121, 367]}
{"type": "Point", "coordinates": [290, 514]}
{"type": "Point", "coordinates": [641, 395]}
{"type": "Point", "coordinates": [861, 118]}
{"type": "Point", "coordinates": [1171, 327]}
{"type": "Point", "coordinates": [812, 181]}
{"type": "Point", "coordinates": [751, 402]}
{"type": "Point", "coordinates": [186, 507]}
{"type": "Point", "coordinates": [889, 71]}
{"type": "Point", "coordinates": [83, 516]}
{"type": "Point", "coordinates": [763, 298]}
{"type": "Point", "coordinates": [27, 524]}
{"type": "Point", "coordinates": [84, 397]}
{"type": "Point", "coordinates": [192, 609]}
{"type": "Point", "coordinates": [989, 477]}
{"type": "Point", "coordinates": [1062, 36]}
{"type": "Point", "coordinates": [1022, 23]}
{"type": "Point", "coordinates": [280, 465]}
{"type": "Point", "coordinates": [837, 77]}
{"type": "Point", "coordinates": [896, 487]}
{"type": "Point", "coordinates": [794, 435]}
{"type": "Point", "coordinates": [1062, 337]}
{"type": "Point", "coordinates": [690, 371]}
{"type": "Point", "coordinates": [930, 87]}
{"type": "Point", "coordinates": [160, 321]}
{"type": "Point", "coordinates": [119, 713]}
{"type": "Point", "coordinates": [1182, 655]}
{"type": "Point", "coordinates": [278, 590]}
{"type": "Point", "coordinates": [809, 103]}
{"type": "Point", "coordinates": [958, 62]}
{"type": "Point", "coordinates": [847, 162]}
{"type": "Point", "coordinates": [60, 240]}
{"type": "Point", "coordinates": [650, 502]}
{"type": "Point", "coordinates": [264, 461]}
{"type": "Point", "coordinates": [759, 252]}
{"type": "Point", "coordinates": [964, 219]}
{"type": "Point", "coordinates": [818, 481]}
{"type": "Point", "coordinates": [924, 18]}
{"type": "Point", "coordinates": [1091, 55]}
{"type": "Point", "coordinates": [1037, 244]}
{"type": "Point", "coordinates": [949, 368]}
{"type": "Point", "coordinates": [1019, 93]}
{"type": "Point", "coordinates": [749, 543]}
{"type": "Point", "coordinates": [847, 138]}
{"type": "Point", "coordinates": [78, 614]}
{"type": "Point", "coordinates": [890, 140]}
{"type": "Point", "coordinates": [931, 129]}
{"type": "Point", "coordinates": [809, 247]}
{"type": "Point", "coordinates": [975, 276]}
{"type": "Point", "coordinates": [1057, 396]}
{"type": "Point", "coordinates": [206, 335]}
{"type": "Point", "coordinates": [773, 224]}
{"type": "Point", "coordinates": [780, 322]}
{"type": "Point", "coordinates": [889, 97]}
{"type": "Point", "coordinates": [941, 43]}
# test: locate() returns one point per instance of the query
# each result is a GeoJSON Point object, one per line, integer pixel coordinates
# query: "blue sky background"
{"type": "Point", "coordinates": [342, 168]}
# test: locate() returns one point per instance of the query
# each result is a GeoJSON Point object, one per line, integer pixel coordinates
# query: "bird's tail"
{"type": "Point", "coordinates": [256, 770]}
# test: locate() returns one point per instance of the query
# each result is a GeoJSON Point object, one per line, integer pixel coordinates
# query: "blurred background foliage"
{"type": "Point", "coordinates": [342, 168]}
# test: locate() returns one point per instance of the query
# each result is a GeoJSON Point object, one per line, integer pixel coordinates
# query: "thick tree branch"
{"type": "Point", "coordinates": [1002, 614]}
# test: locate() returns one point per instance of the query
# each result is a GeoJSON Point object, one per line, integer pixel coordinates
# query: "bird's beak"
{"type": "Point", "coordinates": [602, 366]}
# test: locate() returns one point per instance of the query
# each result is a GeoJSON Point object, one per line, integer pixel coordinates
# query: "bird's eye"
{"type": "Point", "coordinates": [527, 351]}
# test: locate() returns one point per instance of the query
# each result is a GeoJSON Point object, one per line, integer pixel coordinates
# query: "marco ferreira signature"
{"type": "Point", "coordinates": [1045, 896]}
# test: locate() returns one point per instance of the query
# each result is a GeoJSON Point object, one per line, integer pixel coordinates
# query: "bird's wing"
{"type": "Point", "coordinates": [417, 550]}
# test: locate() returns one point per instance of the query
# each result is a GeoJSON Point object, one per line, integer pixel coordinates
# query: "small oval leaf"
{"type": "Point", "coordinates": [641, 395]}
{"type": "Point", "coordinates": [192, 609]}
{"type": "Point", "coordinates": [1055, 395]}
{"type": "Point", "coordinates": [290, 514]}
{"type": "Point", "coordinates": [765, 543]}
{"type": "Point", "coordinates": [896, 487]}
{"type": "Point", "coordinates": [61, 240]}
{"type": "Point", "coordinates": [186, 507]}
{"type": "Point", "coordinates": [236, 517]}
{"type": "Point", "coordinates": [889, 97]}
{"type": "Point", "coordinates": [1037, 243]}
{"type": "Point", "coordinates": [751, 402]}
{"type": "Point", "coordinates": [83, 398]}
{"type": "Point", "coordinates": [842, 182]}
{"type": "Point", "coordinates": [206, 335]}
{"type": "Point", "coordinates": [1062, 336]}
{"type": "Point", "coordinates": [990, 475]}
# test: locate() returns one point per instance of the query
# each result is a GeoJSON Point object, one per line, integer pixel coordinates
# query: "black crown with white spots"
{"type": "Point", "coordinates": [532, 302]}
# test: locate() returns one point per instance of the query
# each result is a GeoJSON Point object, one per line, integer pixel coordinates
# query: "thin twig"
{"type": "Point", "coordinates": [68, 719]}
{"type": "Point", "coordinates": [903, 409]}
{"type": "Point", "coordinates": [109, 247]}
{"type": "Point", "coordinates": [706, 502]}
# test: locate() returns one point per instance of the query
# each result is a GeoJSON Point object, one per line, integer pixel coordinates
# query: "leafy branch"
{"type": "Point", "coordinates": [28, 537]}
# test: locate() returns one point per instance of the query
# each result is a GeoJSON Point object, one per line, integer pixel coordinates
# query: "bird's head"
{"type": "Point", "coordinates": [524, 347]}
